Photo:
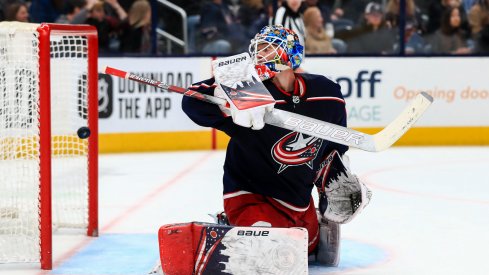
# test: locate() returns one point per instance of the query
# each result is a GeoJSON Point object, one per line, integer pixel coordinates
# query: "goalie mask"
{"type": "Point", "coordinates": [276, 46]}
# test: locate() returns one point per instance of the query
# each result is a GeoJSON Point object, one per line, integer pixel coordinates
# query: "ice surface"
{"type": "Point", "coordinates": [428, 213]}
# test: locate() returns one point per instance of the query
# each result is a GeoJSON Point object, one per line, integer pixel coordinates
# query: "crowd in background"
{"type": "Point", "coordinates": [123, 26]}
{"type": "Point", "coordinates": [226, 26]}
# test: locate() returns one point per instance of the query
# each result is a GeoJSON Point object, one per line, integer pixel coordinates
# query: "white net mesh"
{"type": "Point", "coordinates": [19, 150]}
{"type": "Point", "coordinates": [19, 137]}
{"type": "Point", "coordinates": [69, 65]}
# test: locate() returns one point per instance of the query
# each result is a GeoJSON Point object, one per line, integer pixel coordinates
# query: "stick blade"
{"type": "Point", "coordinates": [397, 128]}
{"type": "Point", "coordinates": [115, 72]}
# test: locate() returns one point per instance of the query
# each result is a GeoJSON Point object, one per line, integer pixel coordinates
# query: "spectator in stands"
{"type": "Point", "coordinates": [215, 23]}
{"type": "Point", "coordinates": [323, 7]}
{"type": "Point", "coordinates": [3, 7]}
{"type": "Point", "coordinates": [423, 5]}
{"type": "Point", "coordinates": [107, 26]}
{"type": "Point", "coordinates": [450, 38]}
{"type": "Point", "coordinates": [170, 21]}
{"type": "Point", "coordinates": [467, 4]}
{"type": "Point", "coordinates": [348, 13]}
{"type": "Point", "coordinates": [97, 18]}
{"type": "Point", "coordinates": [45, 10]}
{"type": "Point", "coordinates": [392, 13]}
{"type": "Point", "coordinates": [17, 11]}
{"type": "Point", "coordinates": [253, 16]}
{"type": "Point", "coordinates": [289, 15]}
{"type": "Point", "coordinates": [414, 43]}
{"type": "Point", "coordinates": [479, 16]}
{"type": "Point", "coordinates": [270, 7]}
{"type": "Point", "coordinates": [435, 12]}
{"type": "Point", "coordinates": [126, 4]}
{"type": "Point", "coordinates": [482, 41]}
{"type": "Point", "coordinates": [372, 36]}
{"type": "Point", "coordinates": [317, 41]}
{"type": "Point", "coordinates": [192, 8]}
{"type": "Point", "coordinates": [136, 29]}
{"type": "Point", "coordinates": [115, 10]}
{"type": "Point", "coordinates": [76, 11]}
{"type": "Point", "coordinates": [338, 45]}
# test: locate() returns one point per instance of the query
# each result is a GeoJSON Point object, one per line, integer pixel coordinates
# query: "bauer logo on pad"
{"type": "Point", "coordinates": [231, 61]}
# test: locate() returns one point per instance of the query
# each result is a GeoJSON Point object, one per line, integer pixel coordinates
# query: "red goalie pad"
{"type": "Point", "coordinates": [176, 248]}
{"type": "Point", "coordinates": [203, 248]}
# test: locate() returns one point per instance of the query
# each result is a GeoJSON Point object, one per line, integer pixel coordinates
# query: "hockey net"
{"type": "Point", "coordinates": [48, 175]}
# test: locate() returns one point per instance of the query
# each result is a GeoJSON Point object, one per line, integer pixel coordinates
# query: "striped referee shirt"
{"type": "Point", "coordinates": [290, 20]}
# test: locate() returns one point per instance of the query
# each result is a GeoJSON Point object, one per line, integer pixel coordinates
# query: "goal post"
{"type": "Point", "coordinates": [48, 175]}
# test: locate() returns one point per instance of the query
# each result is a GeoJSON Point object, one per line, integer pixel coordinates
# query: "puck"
{"type": "Point", "coordinates": [83, 132]}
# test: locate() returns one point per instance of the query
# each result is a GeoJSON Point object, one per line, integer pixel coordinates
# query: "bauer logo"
{"type": "Point", "coordinates": [328, 131]}
{"type": "Point", "coordinates": [231, 61]}
{"type": "Point", "coordinates": [255, 233]}
{"type": "Point", "coordinates": [105, 96]}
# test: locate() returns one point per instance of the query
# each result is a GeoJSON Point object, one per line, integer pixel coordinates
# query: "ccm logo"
{"type": "Point", "coordinates": [227, 62]}
{"type": "Point", "coordinates": [263, 233]}
{"type": "Point", "coordinates": [323, 130]}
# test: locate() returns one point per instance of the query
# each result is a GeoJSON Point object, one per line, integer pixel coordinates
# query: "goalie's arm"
{"type": "Point", "coordinates": [203, 113]}
{"type": "Point", "coordinates": [207, 114]}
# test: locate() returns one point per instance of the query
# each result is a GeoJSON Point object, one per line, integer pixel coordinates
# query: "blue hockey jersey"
{"type": "Point", "coordinates": [275, 162]}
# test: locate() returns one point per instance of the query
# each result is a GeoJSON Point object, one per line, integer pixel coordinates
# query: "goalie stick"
{"type": "Point", "coordinates": [310, 126]}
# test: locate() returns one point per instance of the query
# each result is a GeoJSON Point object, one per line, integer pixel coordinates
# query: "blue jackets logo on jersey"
{"type": "Point", "coordinates": [295, 149]}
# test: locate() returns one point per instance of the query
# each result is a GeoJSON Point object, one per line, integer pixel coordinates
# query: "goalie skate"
{"type": "Point", "coordinates": [328, 250]}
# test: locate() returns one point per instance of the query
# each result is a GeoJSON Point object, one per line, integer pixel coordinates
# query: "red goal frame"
{"type": "Point", "coordinates": [45, 211]}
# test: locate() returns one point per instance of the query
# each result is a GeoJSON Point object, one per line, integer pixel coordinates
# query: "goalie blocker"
{"type": "Point", "coordinates": [204, 248]}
